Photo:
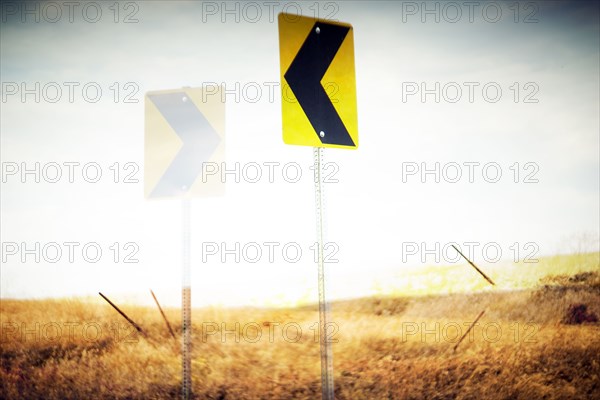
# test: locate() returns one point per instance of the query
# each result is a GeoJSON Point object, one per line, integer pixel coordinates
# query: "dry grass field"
{"type": "Point", "coordinates": [385, 347]}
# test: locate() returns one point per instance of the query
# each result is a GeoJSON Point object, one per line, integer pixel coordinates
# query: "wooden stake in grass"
{"type": "Point", "coordinates": [474, 266]}
{"type": "Point", "coordinates": [468, 330]}
{"type": "Point", "coordinates": [163, 314]}
{"type": "Point", "coordinates": [136, 326]}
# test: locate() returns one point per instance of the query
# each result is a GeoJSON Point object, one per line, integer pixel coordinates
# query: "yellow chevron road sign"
{"type": "Point", "coordinates": [184, 143]}
{"type": "Point", "coordinates": [318, 83]}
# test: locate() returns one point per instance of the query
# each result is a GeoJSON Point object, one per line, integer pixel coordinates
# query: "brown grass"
{"type": "Point", "coordinates": [375, 356]}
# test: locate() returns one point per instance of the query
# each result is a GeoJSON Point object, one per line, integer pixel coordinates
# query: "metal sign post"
{"type": "Point", "coordinates": [324, 309]}
{"type": "Point", "coordinates": [186, 304]}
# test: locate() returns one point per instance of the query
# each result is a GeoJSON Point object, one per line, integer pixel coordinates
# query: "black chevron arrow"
{"type": "Point", "coordinates": [304, 77]}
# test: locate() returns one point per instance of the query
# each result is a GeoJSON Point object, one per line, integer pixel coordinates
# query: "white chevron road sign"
{"type": "Point", "coordinates": [184, 131]}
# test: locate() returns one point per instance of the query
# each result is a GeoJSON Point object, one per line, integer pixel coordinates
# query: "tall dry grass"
{"type": "Point", "coordinates": [385, 348]}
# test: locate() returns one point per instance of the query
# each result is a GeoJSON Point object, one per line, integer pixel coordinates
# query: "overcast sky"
{"type": "Point", "coordinates": [547, 53]}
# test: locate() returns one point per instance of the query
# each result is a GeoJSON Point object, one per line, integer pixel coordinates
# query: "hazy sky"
{"type": "Point", "coordinates": [547, 52]}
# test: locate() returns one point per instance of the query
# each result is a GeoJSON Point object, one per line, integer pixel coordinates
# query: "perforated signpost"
{"type": "Point", "coordinates": [184, 128]}
{"type": "Point", "coordinates": [318, 90]}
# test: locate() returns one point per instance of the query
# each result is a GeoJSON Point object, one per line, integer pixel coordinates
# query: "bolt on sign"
{"type": "Point", "coordinates": [184, 130]}
{"type": "Point", "coordinates": [318, 83]}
